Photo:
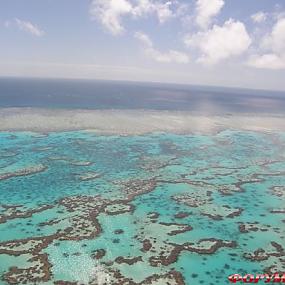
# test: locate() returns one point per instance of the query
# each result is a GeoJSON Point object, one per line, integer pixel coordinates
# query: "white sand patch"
{"type": "Point", "coordinates": [128, 122]}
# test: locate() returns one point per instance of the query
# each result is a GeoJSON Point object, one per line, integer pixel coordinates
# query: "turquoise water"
{"type": "Point", "coordinates": [184, 209]}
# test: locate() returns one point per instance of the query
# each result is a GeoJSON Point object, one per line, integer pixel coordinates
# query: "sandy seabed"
{"type": "Point", "coordinates": [130, 122]}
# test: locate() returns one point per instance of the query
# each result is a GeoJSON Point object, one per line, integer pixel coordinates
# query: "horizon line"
{"type": "Point", "coordinates": [141, 82]}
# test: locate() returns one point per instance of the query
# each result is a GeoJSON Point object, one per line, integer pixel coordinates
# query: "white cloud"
{"type": "Point", "coordinates": [144, 39]}
{"type": "Point", "coordinates": [28, 27]}
{"type": "Point", "coordinates": [272, 55]}
{"type": "Point", "coordinates": [220, 42]}
{"type": "Point", "coordinates": [267, 61]}
{"type": "Point", "coordinates": [143, 7]}
{"type": "Point", "coordinates": [168, 57]}
{"type": "Point", "coordinates": [259, 17]}
{"type": "Point", "coordinates": [276, 40]}
{"type": "Point", "coordinates": [111, 12]}
{"type": "Point", "coordinates": [164, 57]}
{"type": "Point", "coordinates": [206, 10]}
{"type": "Point", "coordinates": [163, 10]}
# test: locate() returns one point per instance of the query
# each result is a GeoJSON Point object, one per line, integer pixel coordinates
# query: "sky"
{"type": "Point", "coordinates": [235, 43]}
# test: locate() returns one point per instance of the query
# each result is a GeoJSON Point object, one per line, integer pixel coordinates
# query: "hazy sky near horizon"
{"type": "Point", "coordinates": [207, 42]}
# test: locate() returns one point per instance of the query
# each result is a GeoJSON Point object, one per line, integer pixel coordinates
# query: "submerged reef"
{"type": "Point", "coordinates": [23, 172]}
{"type": "Point", "coordinates": [82, 208]}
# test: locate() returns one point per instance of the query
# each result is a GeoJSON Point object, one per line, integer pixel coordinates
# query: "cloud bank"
{"type": "Point", "coordinates": [271, 54]}
{"type": "Point", "coordinates": [110, 13]}
{"type": "Point", "coordinates": [206, 10]}
{"type": "Point", "coordinates": [220, 42]}
{"type": "Point", "coordinates": [210, 41]}
{"type": "Point", "coordinates": [164, 57]}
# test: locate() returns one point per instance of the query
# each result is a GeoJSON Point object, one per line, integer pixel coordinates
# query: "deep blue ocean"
{"type": "Point", "coordinates": [92, 94]}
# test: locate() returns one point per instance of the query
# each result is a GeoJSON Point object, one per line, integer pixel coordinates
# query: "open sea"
{"type": "Point", "coordinates": [90, 94]}
{"type": "Point", "coordinates": [78, 207]}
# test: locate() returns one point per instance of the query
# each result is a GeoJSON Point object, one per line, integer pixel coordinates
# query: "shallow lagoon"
{"type": "Point", "coordinates": [140, 209]}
